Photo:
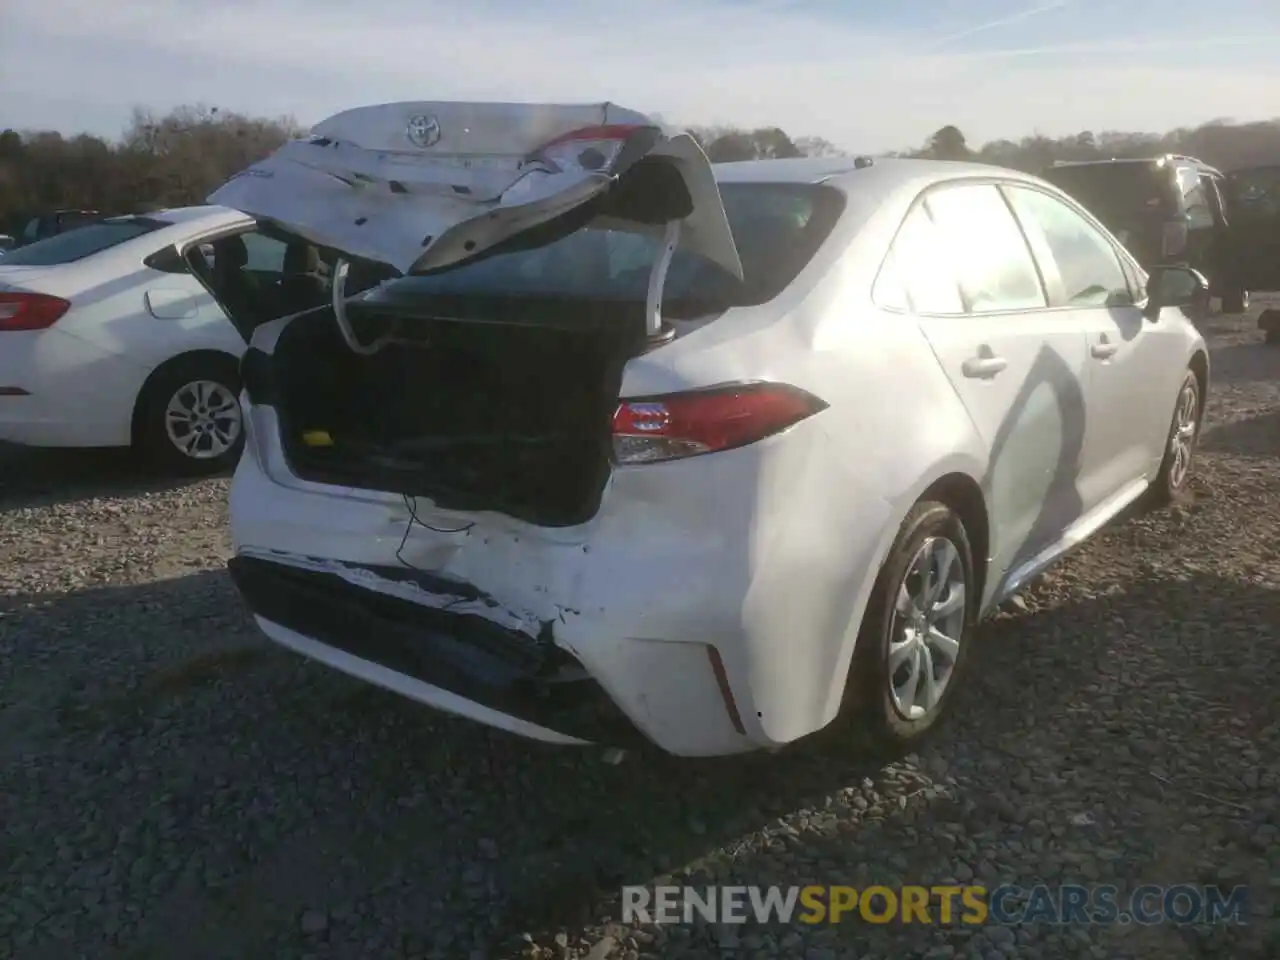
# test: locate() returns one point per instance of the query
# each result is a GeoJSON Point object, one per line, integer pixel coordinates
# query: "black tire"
{"type": "Point", "coordinates": [174, 382]}
{"type": "Point", "coordinates": [890, 728]}
{"type": "Point", "coordinates": [1171, 482]}
{"type": "Point", "coordinates": [1272, 337]}
{"type": "Point", "coordinates": [1235, 301]}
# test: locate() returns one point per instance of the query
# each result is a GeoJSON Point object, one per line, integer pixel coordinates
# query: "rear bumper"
{"type": "Point", "coordinates": [713, 612]}
{"type": "Point", "coordinates": [461, 663]}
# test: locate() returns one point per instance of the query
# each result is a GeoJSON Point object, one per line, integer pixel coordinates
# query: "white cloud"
{"type": "Point", "coordinates": [693, 61]}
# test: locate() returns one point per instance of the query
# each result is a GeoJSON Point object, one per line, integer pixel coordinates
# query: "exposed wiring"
{"type": "Point", "coordinates": [411, 504]}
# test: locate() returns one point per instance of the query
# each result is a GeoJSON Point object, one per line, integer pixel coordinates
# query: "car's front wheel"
{"type": "Point", "coordinates": [189, 419]}
{"type": "Point", "coordinates": [914, 642]}
{"type": "Point", "coordinates": [1180, 445]}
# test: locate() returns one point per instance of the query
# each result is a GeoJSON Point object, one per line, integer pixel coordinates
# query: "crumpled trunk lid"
{"type": "Point", "coordinates": [422, 186]}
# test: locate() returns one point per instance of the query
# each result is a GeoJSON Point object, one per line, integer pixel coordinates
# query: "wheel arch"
{"type": "Point", "coordinates": [954, 484]}
{"type": "Point", "coordinates": [1199, 365]}
{"type": "Point", "coordinates": [962, 493]}
{"type": "Point", "coordinates": [221, 358]}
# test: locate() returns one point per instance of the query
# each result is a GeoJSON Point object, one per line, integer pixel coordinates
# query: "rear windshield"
{"type": "Point", "coordinates": [777, 227]}
{"type": "Point", "coordinates": [80, 242]}
{"type": "Point", "coordinates": [1118, 192]}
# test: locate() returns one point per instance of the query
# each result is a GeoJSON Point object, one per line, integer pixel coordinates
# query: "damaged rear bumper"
{"type": "Point", "coordinates": [458, 662]}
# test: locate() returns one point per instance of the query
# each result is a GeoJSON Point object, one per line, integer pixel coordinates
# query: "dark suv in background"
{"type": "Point", "coordinates": [1167, 210]}
{"type": "Point", "coordinates": [1255, 228]}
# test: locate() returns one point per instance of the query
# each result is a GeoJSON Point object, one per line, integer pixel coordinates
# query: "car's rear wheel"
{"type": "Point", "coordinates": [189, 419]}
{"type": "Point", "coordinates": [1180, 445]}
{"type": "Point", "coordinates": [914, 642]}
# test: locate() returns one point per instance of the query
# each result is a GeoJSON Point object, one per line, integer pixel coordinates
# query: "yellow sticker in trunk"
{"type": "Point", "coordinates": [317, 438]}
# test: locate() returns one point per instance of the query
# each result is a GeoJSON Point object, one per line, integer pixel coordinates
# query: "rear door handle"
{"type": "Point", "coordinates": [1104, 350]}
{"type": "Point", "coordinates": [983, 367]}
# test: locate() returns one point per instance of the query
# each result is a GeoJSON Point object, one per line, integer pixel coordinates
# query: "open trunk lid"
{"type": "Point", "coordinates": [423, 186]}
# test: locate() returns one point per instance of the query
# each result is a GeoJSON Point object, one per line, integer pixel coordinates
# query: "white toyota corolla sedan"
{"type": "Point", "coordinates": [608, 441]}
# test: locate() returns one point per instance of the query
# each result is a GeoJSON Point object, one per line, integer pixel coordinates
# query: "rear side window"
{"type": "Point", "coordinates": [926, 271]}
{"type": "Point", "coordinates": [992, 260]}
{"type": "Point", "coordinates": [889, 291]}
{"type": "Point", "coordinates": [1087, 263]}
{"type": "Point", "coordinates": [1254, 194]}
{"type": "Point", "coordinates": [1195, 201]}
{"type": "Point", "coordinates": [81, 242]}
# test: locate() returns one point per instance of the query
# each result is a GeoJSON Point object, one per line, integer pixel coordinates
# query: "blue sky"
{"type": "Point", "coordinates": [866, 76]}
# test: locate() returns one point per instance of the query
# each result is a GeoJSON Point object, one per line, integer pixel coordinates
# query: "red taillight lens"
{"type": "Point", "coordinates": [30, 311]}
{"type": "Point", "coordinates": [677, 425]}
{"type": "Point", "coordinates": [594, 149]}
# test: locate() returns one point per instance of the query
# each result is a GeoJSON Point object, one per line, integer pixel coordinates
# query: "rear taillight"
{"type": "Point", "coordinates": [593, 149]}
{"type": "Point", "coordinates": [1174, 241]}
{"type": "Point", "coordinates": [30, 311]}
{"type": "Point", "coordinates": [649, 429]}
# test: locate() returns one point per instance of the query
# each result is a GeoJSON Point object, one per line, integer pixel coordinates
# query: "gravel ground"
{"type": "Point", "coordinates": [171, 785]}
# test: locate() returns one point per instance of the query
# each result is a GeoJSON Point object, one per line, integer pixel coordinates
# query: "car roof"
{"type": "Point", "coordinates": [881, 173]}
{"type": "Point", "coordinates": [204, 215]}
{"type": "Point", "coordinates": [1163, 158]}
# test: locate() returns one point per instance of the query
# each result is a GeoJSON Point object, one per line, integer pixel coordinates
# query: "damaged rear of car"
{"type": "Point", "coordinates": [475, 476]}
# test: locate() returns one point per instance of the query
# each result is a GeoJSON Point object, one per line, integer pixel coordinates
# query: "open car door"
{"type": "Point", "coordinates": [421, 187]}
{"type": "Point", "coordinates": [1253, 209]}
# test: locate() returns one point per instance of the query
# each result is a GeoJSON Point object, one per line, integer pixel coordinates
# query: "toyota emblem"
{"type": "Point", "coordinates": [423, 131]}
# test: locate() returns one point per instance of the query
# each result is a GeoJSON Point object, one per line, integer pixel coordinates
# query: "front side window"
{"type": "Point", "coordinates": [1087, 262]}
{"type": "Point", "coordinates": [992, 260]}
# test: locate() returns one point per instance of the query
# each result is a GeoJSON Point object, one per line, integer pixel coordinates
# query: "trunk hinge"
{"type": "Point", "coordinates": [655, 327]}
{"type": "Point", "coordinates": [340, 270]}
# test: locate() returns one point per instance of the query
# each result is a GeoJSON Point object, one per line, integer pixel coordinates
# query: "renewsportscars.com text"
{"type": "Point", "coordinates": [1006, 904]}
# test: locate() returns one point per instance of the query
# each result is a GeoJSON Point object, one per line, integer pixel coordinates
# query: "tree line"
{"type": "Point", "coordinates": [178, 158]}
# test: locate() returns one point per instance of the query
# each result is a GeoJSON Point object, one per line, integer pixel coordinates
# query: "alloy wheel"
{"type": "Point", "coordinates": [203, 419]}
{"type": "Point", "coordinates": [1182, 437]}
{"type": "Point", "coordinates": [927, 628]}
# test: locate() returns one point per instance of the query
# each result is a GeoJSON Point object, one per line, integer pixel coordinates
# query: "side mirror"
{"type": "Point", "coordinates": [1176, 286]}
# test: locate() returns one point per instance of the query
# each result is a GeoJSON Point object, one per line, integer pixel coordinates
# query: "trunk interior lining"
{"type": "Point", "coordinates": [497, 415]}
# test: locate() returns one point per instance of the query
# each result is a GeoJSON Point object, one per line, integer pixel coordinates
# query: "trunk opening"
{"type": "Point", "coordinates": [511, 415]}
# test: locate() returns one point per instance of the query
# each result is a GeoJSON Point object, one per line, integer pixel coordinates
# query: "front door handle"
{"type": "Point", "coordinates": [983, 367]}
{"type": "Point", "coordinates": [1104, 350]}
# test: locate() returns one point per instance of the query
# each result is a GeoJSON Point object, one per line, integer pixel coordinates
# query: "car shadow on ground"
{"type": "Point", "coordinates": [1251, 437]}
{"type": "Point", "coordinates": [31, 477]}
{"type": "Point", "coordinates": [423, 818]}
{"type": "Point", "coordinates": [1244, 363]}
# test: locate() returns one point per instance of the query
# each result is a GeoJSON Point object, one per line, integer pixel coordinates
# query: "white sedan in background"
{"type": "Point", "coordinates": [107, 338]}
{"type": "Point", "coordinates": [639, 444]}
